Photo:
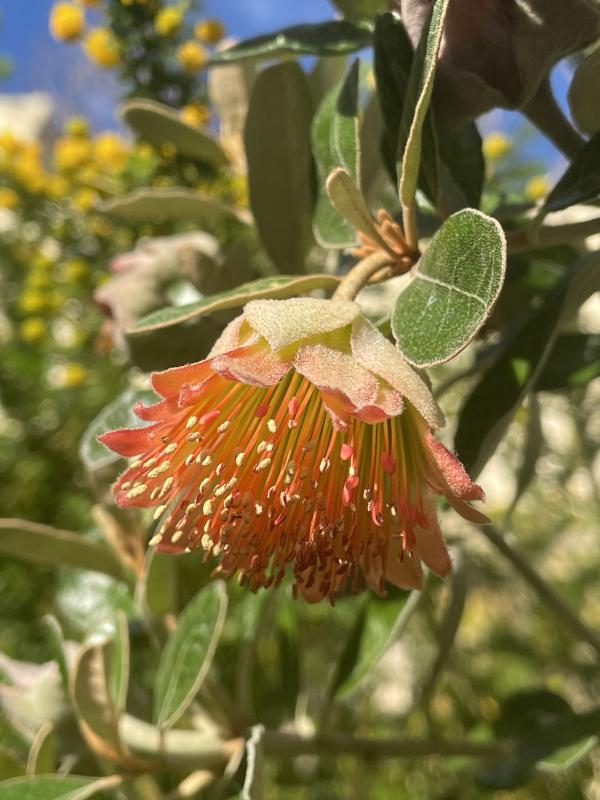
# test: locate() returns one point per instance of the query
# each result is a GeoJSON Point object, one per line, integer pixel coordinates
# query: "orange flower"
{"type": "Point", "coordinates": [304, 439]}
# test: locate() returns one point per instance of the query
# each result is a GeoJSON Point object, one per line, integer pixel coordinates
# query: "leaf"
{"type": "Point", "coordinates": [490, 407]}
{"type": "Point", "coordinates": [158, 587]}
{"type": "Point", "coordinates": [277, 140]}
{"type": "Point", "coordinates": [583, 94]}
{"type": "Point", "coordinates": [164, 205]}
{"type": "Point", "coordinates": [359, 9]}
{"type": "Point", "coordinates": [532, 449]}
{"type": "Point", "coordinates": [461, 168]}
{"type": "Point", "coordinates": [56, 642]}
{"type": "Point", "coordinates": [574, 362]}
{"type": "Point", "coordinates": [158, 124]}
{"type": "Point", "coordinates": [348, 201]}
{"type": "Point", "coordinates": [420, 87]}
{"type": "Point", "coordinates": [42, 756]}
{"type": "Point", "coordinates": [277, 286]}
{"type": "Point", "coordinates": [321, 39]}
{"type": "Point", "coordinates": [56, 787]}
{"type": "Point", "coordinates": [378, 624]}
{"type": "Point", "coordinates": [188, 654]}
{"type": "Point", "coordinates": [118, 663]}
{"type": "Point", "coordinates": [118, 414]}
{"type": "Point", "coordinates": [96, 712]}
{"type": "Point", "coordinates": [542, 723]}
{"type": "Point", "coordinates": [579, 183]}
{"type": "Point", "coordinates": [454, 288]}
{"type": "Point", "coordinates": [10, 766]}
{"type": "Point", "coordinates": [335, 144]}
{"type": "Point", "coordinates": [87, 602]}
{"type": "Point", "coordinates": [42, 544]}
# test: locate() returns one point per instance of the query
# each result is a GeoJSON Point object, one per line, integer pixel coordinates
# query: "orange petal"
{"type": "Point", "coordinates": [339, 373]}
{"type": "Point", "coordinates": [452, 472]}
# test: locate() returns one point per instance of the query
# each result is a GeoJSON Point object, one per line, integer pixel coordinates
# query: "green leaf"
{"type": "Point", "coordinates": [420, 87]}
{"type": "Point", "coordinates": [454, 288]}
{"type": "Point", "coordinates": [87, 602]}
{"type": "Point", "coordinates": [491, 406]}
{"type": "Point", "coordinates": [118, 663]}
{"type": "Point", "coordinates": [56, 642]}
{"type": "Point", "coordinates": [158, 124]}
{"type": "Point", "coordinates": [165, 205]}
{"type": "Point", "coordinates": [348, 201]}
{"type": "Point", "coordinates": [91, 697]}
{"type": "Point", "coordinates": [158, 587]}
{"type": "Point", "coordinates": [118, 414]}
{"type": "Point", "coordinates": [583, 94]}
{"type": "Point", "coordinates": [361, 9]}
{"type": "Point", "coordinates": [188, 654]}
{"type": "Point", "coordinates": [55, 787]}
{"type": "Point", "coordinates": [461, 167]}
{"type": "Point", "coordinates": [574, 362]}
{"type": "Point", "coordinates": [10, 766]}
{"type": "Point", "coordinates": [277, 140]}
{"type": "Point", "coordinates": [335, 144]}
{"type": "Point", "coordinates": [277, 286]}
{"type": "Point", "coordinates": [532, 449]}
{"type": "Point", "coordinates": [42, 544]}
{"type": "Point", "coordinates": [378, 624]}
{"type": "Point", "coordinates": [42, 756]}
{"type": "Point", "coordinates": [579, 183]}
{"type": "Point", "coordinates": [321, 39]}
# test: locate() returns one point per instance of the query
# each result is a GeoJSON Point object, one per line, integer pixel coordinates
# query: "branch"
{"type": "Point", "coordinates": [359, 276]}
{"type": "Point", "coordinates": [520, 241]}
{"type": "Point", "coordinates": [546, 114]}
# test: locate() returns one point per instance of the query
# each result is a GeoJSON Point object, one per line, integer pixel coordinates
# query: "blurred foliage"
{"type": "Point", "coordinates": [125, 251]}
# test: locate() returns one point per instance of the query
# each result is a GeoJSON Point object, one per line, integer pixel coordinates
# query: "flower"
{"type": "Point", "coordinates": [77, 126]}
{"type": "Point", "coordinates": [71, 152]}
{"type": "Point", "coordinates": [102, 47]}
{"type": "Point", "coordinates": [196, 114]}
{"type": "Point", "coordinates": [66, 22]}
{"type": "Point", "coordinates": [496, 146]}
{"type": "Point", "coordinates": [168, 21]}
{"type": "Point", "coordinates": [110, 151]}
{"type": "Point", "coordinates": [210, 31]}
{"type": "Point", "coordinates": [8, 198]}
{"type": "Point", "coordinates": [303, 440]}
{"type": "Point", "coordinates": [33, 329]}
{"type": "Point", "coordinates": [192, 56]}
{"type": "Point", "coordinates": [537, 187]}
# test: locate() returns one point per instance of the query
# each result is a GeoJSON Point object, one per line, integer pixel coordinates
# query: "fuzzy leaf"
{"type": "Point", "coordinates": [158, 124]}
{"type": "Point", "coordinates": [188, 654]}
{"type": "Point", "coordinates": [118, 663]}
{"type": "Point", "coordinates": [579, 183]}
{"type": "Point", "coordinates": [277, 286]}
{"type": "Point", "coordinates": [361, 9]}
{"type": "Point", "coordinates": [454, 287]}
{"type": "Point", "coordinates": [55, 787]}
{"type": "Point", "coordinates": [277, 139]}
{"type": "Point", "coordinates": [583, 94]}
{"type": "Point", "coordinates": [163, 205]}
{"type": "Point", "coordinates": [42, 544]}
{"type": "Point", "coordinates": [42, 756]}
{"type": "Point", "coordinates": [321, 39]}
{"type": "Point", "coordinates": [335, 144]}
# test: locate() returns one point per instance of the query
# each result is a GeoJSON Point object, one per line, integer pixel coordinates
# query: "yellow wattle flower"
{"type": "Point", "coordinates": [110, 151]}
{"type": "Point", "coordinates": [9, 198]}
{"type": "Point", "coordinates": [168, 21]}
{"type": "Point", "coordinates": [303, 443]}
{"type": "Point", "coordinates": [537, 187]}
{"type": "Point", "coordinates": [71, 152]}
{"type": "Point", "coordinates": [196, 114]}
{"type": "Point", "coordinates": [210, 31]}
{"type": "Point", "coordinates": [77, 126]}
{"type": "Point", "coordinates": [67, 22]}
{"type": "Point", "coordinates": [192, 56]}
{"type": "Point", "coordinates": [496, 146]}
{"type": "Point", "coordinates": [102, 47]}
{"type": "Point", "coordinates": [33, 329]}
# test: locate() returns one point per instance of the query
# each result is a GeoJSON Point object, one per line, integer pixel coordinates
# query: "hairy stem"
{"type": "Point", "coordinates": [360, 275]}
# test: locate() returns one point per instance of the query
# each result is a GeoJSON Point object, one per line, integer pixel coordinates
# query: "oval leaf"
{"type": "Point", "coordinates": [583, 94]}
{"type": "Point", "coordinates": [45, 545]}
{"type": "Point", "coordinates": [118, 663]}
{"type": "Point", "coordinates": [321, 39]}
{"type": "Point", "coordinates": [335, 144]}
{"type": "Point", "coordinates": [158, 124]}
{"type": "Point", "coordinates": [188, 654]}
{"type": "Point", "coordinates": [454, 288]}
{"type": "Point", "coordinates": [579, 183]}
{"type": "Point", "coordinates": [275, 287]}
{"type": "Point", "coordinates": [161, 205]}
{"type": "Point", "coordinates": [42, 756]}
{"type": "Point", "coordinates": [359, 9]}
{"type": "Point", "coordinates": [277, 140]}
{"type": "Point", "coordinates": [56, 787]}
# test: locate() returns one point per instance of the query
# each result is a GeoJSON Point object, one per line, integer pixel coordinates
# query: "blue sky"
{"type": "Point", "coordinates": [42, 64]}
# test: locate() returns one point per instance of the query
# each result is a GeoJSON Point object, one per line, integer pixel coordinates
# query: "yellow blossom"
{"type": "Point", "coordinates": [29, 171]}
{"type": "Point", "coordinates": [33, 329]}
{"type": "Point", "coordinates": [168, 21]}
{"type": "Point", "coordinates": [75, 269]}
{"type": "Point", "coordinates": [33, 301]}
{"type": "Point", "coordinates": [67, 22]}
{"type": "Point", "coordinates": [8, 198]}
{"type": "Point", "coordinates": [71, 152]}
{"type": "Point", "coordinates": [210, 31]}
{"type": "Point", "coordinates": [57, 187]}
{"type": "Point", "coordinates": [110, 151]}
{"type": "Point", "coordinates": [9, 144]}
{"type": "Point", "coordinates": [196, 114]}
{"type": "Point", "coordinates": [77, 126]}
{"type": "Point", "coordinates": [192, 56]}
{"type": "Point", "coordinates": [537, 188]}
{"type": "Point", "coordinates": [496, 146]}
{"type": "Point", "coordinates": [102, 47]}
{"type": "Point", "coordinates": [85, 199]}
{"type": "Point", "coordinates": [71, 375]}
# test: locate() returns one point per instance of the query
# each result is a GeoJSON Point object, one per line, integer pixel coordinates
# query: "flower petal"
{"type": "Point", "coordinates": [380, 356]}
{"type": "Point", "coordinates": [451, 472]}
{"type": "Point", "coordinates": [130, 441]}
{"type": "Point", "coordinates": [171, 381]}
{"type": "Point", "coordinates": [333, 371]}
{"type": "Point", "coordinates": [406, 571]}
{"type": "Point", "coordinates": [430, 544]}
{"type": "Point", "coordinates": [257, 365]}
{"type": "Point", "coordinates": [284, 322]}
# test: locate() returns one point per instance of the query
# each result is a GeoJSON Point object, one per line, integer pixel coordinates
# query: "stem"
{"type": "Point", "coordinates": [520, 241]}
{"type": "Point", "coordinates": [359, 276]}
{"type": "Point", "coordinates": [409, 223]}
{"type": "Point", "coordinates": [546, 114]}
{"type": "Point", "coordinates": [546, 593]}
{"type": "Point", "coordinates": [190, 749]}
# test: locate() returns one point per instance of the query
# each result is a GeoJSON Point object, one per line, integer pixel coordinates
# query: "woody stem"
{"type": "Point", "coordinates": [359, 276]}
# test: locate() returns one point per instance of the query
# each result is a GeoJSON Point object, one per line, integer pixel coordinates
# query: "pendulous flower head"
{"type": "Point", "coordinates": [304, 440]}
